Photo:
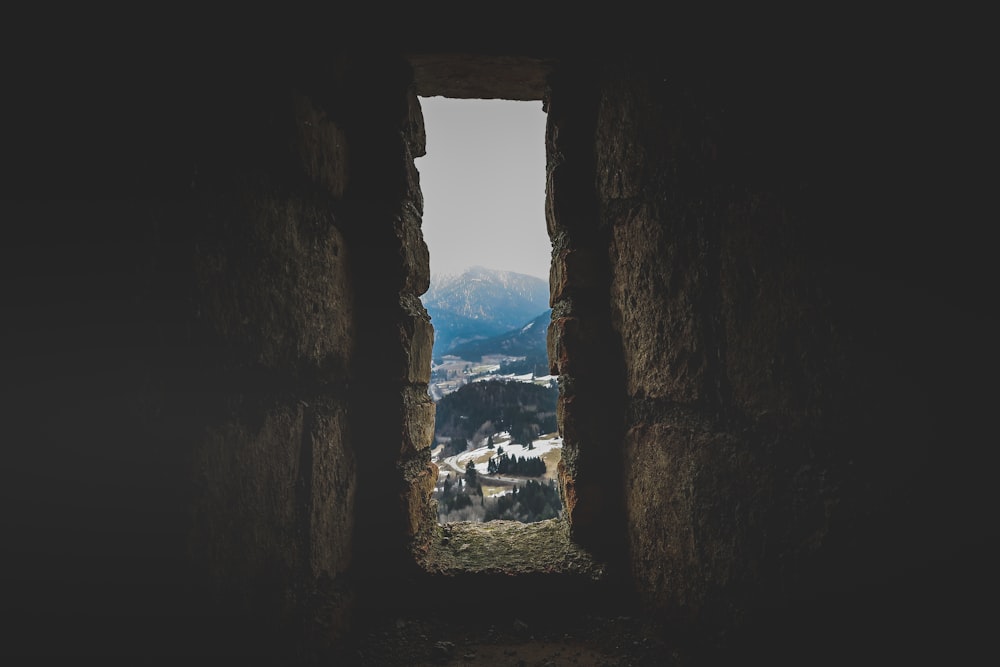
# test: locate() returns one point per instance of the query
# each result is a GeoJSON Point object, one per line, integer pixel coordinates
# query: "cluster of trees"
{"type": "Point", "coordinates": [524, 434]}
{"type": "Point", "coordinates": [462, 499]}
{"type": "Point", "coordinates": [453, 500]}
{"type": "Point", "coordinates": [459, 495]}
{"type": "Point", "coordinates": [536, 364]}
{"type": "Point", "coordinates": [511, 465]}
{"type": "Point", "coordinates": [468, 414]}
{"type": "Point", "coordinates": [442, 375]}
{"type": "Point", "coordinates": [534, 501]}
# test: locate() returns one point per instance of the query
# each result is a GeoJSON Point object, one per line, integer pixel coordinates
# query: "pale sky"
{"type": "Point", "coordinates": [483, 181]}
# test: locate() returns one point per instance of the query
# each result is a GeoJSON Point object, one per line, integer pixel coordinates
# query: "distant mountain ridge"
{"type": "Point", "coordinates": [528, 340]}
{"type": "Point", "coordinates": [481, 303]}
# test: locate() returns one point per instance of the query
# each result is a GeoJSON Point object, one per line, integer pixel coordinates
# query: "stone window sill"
{"type": "Point", "coordinates": [507, 547]}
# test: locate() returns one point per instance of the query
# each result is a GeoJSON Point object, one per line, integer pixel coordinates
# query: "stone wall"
{"type": "Point", "coordinates": [785, 413]}
{"type": "Point", "coordinates": [393, 354]}
{"type": "Point", "coordinates": [215, 359]}
{"type": "Point", "coordinates": [181, 322]}
{"type": "Point", "coordinates": [582, 348]}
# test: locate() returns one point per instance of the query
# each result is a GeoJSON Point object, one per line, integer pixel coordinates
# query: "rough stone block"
{"type": "Point", "coordinates": [413, 129]}
{"type": "Point", "coordinates": [621, 144]}
{"type": "Point", "coordinates": [571, 270]}
{"type": "Point", "coordinates": [414, 195]}
{"type": "Point", "coordinates": [418, 420]}
{"type": "Point", "coordinates": [656, 291]}
{"type": "Point", "coordinates": [333, 481]}
{"type": "Point", "coordinates": [567, 487]}
{"type": "Point", "coordinates": [321, 146]}
{"type": "Point", "coordinates": [414, 253]}
{"type": "Point", "coordinates": [417, 500]}
{"type": "Point", "coordinates": [583, 417]}
{"type": "Point", "coordinates": [281, 294]}
{"type": "Point", "coordinates": [416, 335]}
{"type": "Point", "coordinates": [575, 347]}
{"type": "Point", "coordinates": [258, 477]}
{"type": "Point", "coordinates": [552, 346]}
{"type": "Point", "coordinates": [565, 209]}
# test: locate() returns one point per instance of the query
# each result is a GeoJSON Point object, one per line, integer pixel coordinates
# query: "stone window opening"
{"type": "Point", "coordinates": [576, 542]}
{"type": "Point", "coordinates": [482, 180]}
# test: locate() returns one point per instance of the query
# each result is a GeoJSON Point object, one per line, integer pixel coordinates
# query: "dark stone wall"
{"type": "Point", "coordinates": [182, 316]}
{"type": "Point", "coordinates": [771, 318]}
{"type": "Point", "coordinates": [394, 351]}
{"type": "Point", "coordinates": [212, 336]}
{"type": "Point", "coordinates": [582, 347]}
{"type": "Point", "coordinates": [788, 303]}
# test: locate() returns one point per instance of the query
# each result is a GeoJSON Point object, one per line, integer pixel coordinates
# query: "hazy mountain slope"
{"type": "Point", "coordinates": [481, 303]}
{"type": "Point", "coordinates": [525, 341]}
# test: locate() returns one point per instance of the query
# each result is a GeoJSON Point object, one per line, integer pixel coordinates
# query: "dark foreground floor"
{"type": "Point", "coordinates": [511, 640]}
{"type": "Point", "coordinates": [471, 632]}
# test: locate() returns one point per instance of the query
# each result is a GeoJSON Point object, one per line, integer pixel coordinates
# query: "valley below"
{"type": "Point", "coordinates": [496, 441]}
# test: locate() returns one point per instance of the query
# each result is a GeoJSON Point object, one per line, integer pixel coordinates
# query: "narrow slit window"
{"type": "Point", "coordinates": [496, 440]}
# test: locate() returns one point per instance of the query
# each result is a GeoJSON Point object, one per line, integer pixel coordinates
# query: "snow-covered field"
{"type": "Point", "coordinates": [527, 377]}
{"type": "Point", "coordinates": [481, 456]}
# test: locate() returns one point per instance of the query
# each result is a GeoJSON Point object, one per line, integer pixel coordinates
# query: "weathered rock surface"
{"type": "Point", "coordinates": [771, 318]}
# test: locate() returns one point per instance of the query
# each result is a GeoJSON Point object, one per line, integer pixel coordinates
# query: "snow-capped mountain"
{"type": "Point", "coordinates": [481, 303]}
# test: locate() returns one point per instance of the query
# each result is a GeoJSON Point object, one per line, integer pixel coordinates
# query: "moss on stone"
{"type": "Point", "coordinates": [507, 547]}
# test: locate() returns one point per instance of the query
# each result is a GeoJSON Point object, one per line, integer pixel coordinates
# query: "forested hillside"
{"type": "Point", "coordinates": [480, 409]}
{"type": "Point", "coordinates": [526, 341]}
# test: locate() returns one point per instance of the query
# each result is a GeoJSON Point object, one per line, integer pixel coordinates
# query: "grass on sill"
{"type": "Point", "coordinates": [507, 547]}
